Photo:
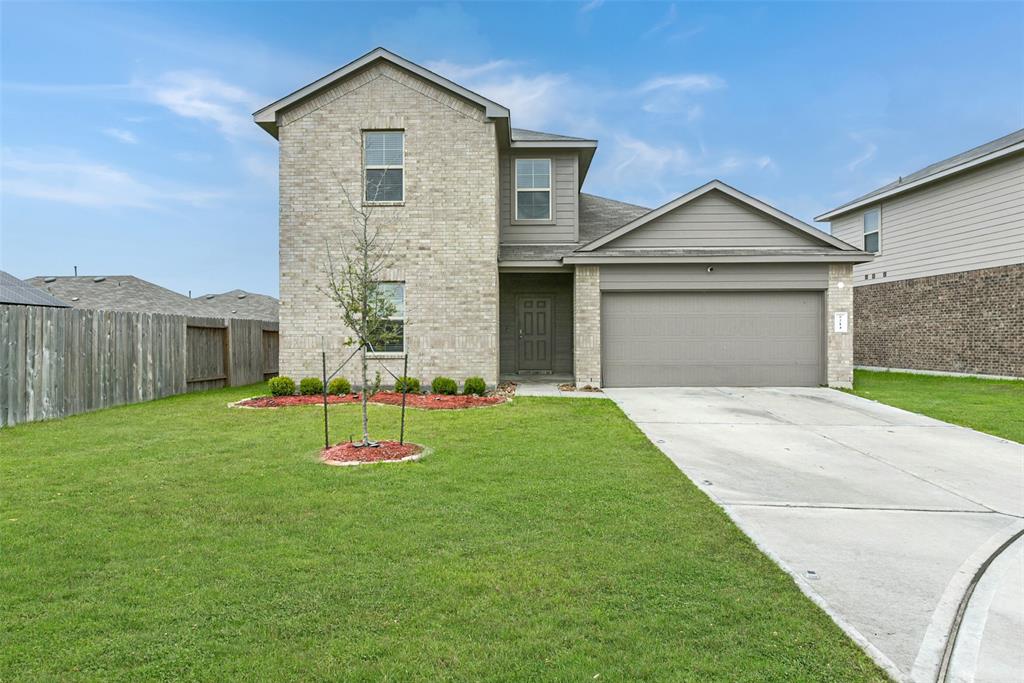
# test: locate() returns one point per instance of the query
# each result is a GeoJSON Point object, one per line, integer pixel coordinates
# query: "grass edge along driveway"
{"type": "Point", "coordinates": [545, 539]}
{"type": "Point", "coordinates": [993, 406]}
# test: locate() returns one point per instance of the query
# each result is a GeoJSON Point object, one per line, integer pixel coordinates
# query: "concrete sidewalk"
{"type": "Point", "coordinates": [881, 515]}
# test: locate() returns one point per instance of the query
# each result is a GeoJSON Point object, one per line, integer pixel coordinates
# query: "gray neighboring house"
{"type": "Point", "coordinates": [130, 293]}
{"type": "Point", "coordinates": [239, 303]}
{"type": "Point", "coordinates": [20, 293]}
{"type": "Point", "coordinates": [945, 291]}
{"type": "Point", "coordinates": [507, 269]}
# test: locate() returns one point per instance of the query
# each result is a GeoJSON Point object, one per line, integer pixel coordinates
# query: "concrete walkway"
{"type": "Point", "coordinates": [882, 516]}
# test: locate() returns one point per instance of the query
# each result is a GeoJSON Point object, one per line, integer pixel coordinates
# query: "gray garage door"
{"type": "Point", "coordinates": [657, 339]}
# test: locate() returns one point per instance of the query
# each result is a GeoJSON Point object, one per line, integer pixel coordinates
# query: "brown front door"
{"type": "Point", "coordinates": [533, 315]}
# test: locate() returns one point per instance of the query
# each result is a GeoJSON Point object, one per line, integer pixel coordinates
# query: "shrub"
{"type": "Point", "coordinates": [339, 386]}
{"type": "Point", "coordinates": [282, 386]}
{"type": "Point", "coordinates": [474, 385]}
{"type": "Point", "coordinates": [310, 386]}
{"type": "Point", "coordinates": [410, 385]}
{"type": "Point", "coordinates": [444, 385]}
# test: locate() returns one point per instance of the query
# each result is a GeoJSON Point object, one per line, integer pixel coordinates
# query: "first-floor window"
{"type": "Point", "coordinates": [873, 231]}
{"type": "Point", "coordinates": [393, 341]}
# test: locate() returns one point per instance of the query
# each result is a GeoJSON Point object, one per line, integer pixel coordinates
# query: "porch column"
{"type": "Point", "coordinates": [839, 304]}
{"type": "Point", "coordinates": [586, 312]}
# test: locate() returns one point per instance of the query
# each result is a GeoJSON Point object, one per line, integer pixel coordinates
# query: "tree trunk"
{"type": "Point", "coordinates": [366, 391]}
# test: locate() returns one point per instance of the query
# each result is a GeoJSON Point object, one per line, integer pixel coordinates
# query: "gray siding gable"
{"type": "Point", "coordinates": [713, 220]}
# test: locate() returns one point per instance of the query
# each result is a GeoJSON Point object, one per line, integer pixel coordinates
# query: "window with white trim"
{"type": "Point", "coordinates": [873, 231]}
{"type": "Point", "coordinates": [394, 341]}
{"type": "Point", "coordinates": [533, 189]}
{"type": "Point", "coordinates": [384, 166]}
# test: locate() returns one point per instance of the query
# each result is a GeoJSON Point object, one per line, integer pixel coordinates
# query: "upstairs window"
{"type": "Point", "coordinates": [394, 339]}
{"type": "Point", "coordinates": [384, 166]}
{"type": "Point", "coordinates": [873, 231]}
{"type": "Point", "coordinates": [533, 189]}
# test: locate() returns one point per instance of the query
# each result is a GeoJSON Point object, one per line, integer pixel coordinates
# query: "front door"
{"type": "Point", "coordinates": [533, 316]}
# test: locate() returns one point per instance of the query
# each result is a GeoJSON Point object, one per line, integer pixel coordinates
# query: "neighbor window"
{"type": "Point", "coordinates": [384, 162]}
{"type": "Point", "coordinates": [873, 231]}
{"type": "Point", "coordinates": [395, 340]}
{"type": "Point", "coordinates": [533, 189]}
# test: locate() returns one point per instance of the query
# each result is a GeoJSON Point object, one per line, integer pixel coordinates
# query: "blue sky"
{"type": "Point", "coordinates": [128, 146]}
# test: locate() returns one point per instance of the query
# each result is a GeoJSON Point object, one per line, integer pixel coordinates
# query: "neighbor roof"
{"type": "Point", "coordinates": [116, 293]}
{"type": "Point", "coordinates": [15, 291]}
{"type": "Point", "coordinates": [239, 303]}
{"type": "Point", "coordinates": [266, 117]}
{"type": "Point", "coordinates": [719, 186]}
{"type": "Point", "coordinates": [982, 154]}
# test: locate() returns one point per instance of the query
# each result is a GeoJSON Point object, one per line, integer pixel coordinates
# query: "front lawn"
{"type": "Point", "coordinates": [545, 539]}
{"type": "Point", "coordinates": [994, 406]}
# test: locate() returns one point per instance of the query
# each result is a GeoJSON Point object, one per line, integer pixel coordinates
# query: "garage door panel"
{"type": "Point", "coordinates": [712, 338]}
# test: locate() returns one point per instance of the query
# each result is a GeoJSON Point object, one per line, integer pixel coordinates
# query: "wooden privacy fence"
{"type": "Point", "coordinates": [56, 362]}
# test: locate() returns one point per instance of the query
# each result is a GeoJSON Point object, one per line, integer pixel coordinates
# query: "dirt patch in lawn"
{"type": "Point", "coordinates": [391, 398]}
{"type": "Point", "coordinates": [385, 451]}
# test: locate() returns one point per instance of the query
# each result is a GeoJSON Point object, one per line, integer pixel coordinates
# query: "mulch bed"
{"type": "Point", "coordinates": [391, 398]}
{"type": "Point", "coordinates": [385, 451]}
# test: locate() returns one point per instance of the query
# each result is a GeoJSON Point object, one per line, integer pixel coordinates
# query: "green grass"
{"type": "Point", "coordinates": [994, 406]}
{"type": "Point", "coordinates": [542, 540]}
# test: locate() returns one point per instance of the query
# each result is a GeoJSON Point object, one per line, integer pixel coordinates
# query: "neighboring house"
{"type": "Point", "coordinates": [504, 268]}
{"type": "Point", "coordinates": [945, 290]}
{"type": "Point", "coordinates": [21, 293]}
{"type": "Point", "coordinates": [239, 303]}
{"type": "Point", "coordinates": [130, 293]}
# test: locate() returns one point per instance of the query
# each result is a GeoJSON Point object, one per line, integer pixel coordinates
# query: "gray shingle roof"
{"type": "Point", "coordinates": [130, 293]}
{"type": "Point", "coordinates": [15, 291]}
{"type": "Point", "coordinates": [940, 166]}
{"type": "Point", "coordinates": [239, 303]}
{"type": "Point", "coordinates": [524, 135]}
{"type": "Point", "coordinates": [598, 216]}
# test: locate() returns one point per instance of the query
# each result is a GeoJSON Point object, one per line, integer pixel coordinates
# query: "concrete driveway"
{"type": "Point", "coordinates": [882, 516]}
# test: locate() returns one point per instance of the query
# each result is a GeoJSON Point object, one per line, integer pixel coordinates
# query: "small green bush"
{"type": "Point", "coordinates": [310, 386]}
{"type": "Point", "coordinates": [339, 386]}
{"type": "Point", "coordinates": [474, 385]}
{"type": "Point", "coordinates": [444, 385]}
{"type": "Point", "coordinates": [411, 385]}
{"type": "Point", "coordinates": [282, 386]}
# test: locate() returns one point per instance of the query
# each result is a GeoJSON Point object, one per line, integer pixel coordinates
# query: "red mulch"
{"type": "Point", "coordinates": [384, 451]}
{"type": "Point", "coordinates": [428, 402]}
{"type": "Point", "coordinates": [279, 401]}
{"type": "Point", "coordinates": [436, 401]}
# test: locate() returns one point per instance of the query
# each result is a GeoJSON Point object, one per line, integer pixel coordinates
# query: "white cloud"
{"type": "Point", "coordinates": [206, 98]}
{"type": "Point", "coordinates": [591, 6]}
{"type": "Point", "coordinates": [64, 177]}
{"type": "Point", "coordinates": [466, 72]}
{"type": "Point", "coordinates": [125, 136]}
{"type": "Point", "coordinates": [260, 167]}
{"type": "Point", "coordinates": [683, 83]}
{"type": "Point", "coordinates": [670, 18]}
{"type": "Point", "coordinates": [866, 155]}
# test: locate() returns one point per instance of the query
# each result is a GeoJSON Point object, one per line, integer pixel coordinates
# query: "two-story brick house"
{"type": "Point", "coordinates": [504, 267]}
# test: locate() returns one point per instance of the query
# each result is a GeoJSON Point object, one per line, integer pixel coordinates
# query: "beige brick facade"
{"type": "Point", "coordinates": [446, 233]}
{"type": "Point", "coordinates": [587, 325]}
{"type": "Point", "coordinates": [839, 345]}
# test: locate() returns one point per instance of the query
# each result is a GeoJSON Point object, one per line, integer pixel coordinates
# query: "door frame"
{"type": "Point", "coordinates": [550, 298]}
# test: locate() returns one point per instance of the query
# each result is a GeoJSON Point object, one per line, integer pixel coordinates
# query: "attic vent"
{"type": "Point", "coordinates": [99, 279]}
{"type": "Point", "coordinates": [49, 279]}
{"type": "Point", "coordinates": [241, 296]}
{"type": "Point", "coordinates": [74, 298]}
{"type": "Point", "coordinates": [209, 296]}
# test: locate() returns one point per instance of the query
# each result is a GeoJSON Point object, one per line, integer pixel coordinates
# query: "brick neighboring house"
{"type": "Point", "coordinates": [945, 291]}
{"type": "Point", "coordinates": [507, 269]}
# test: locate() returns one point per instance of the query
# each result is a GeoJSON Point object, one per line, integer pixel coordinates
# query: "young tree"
{"type": "Point", "coordinates": [354, 285]}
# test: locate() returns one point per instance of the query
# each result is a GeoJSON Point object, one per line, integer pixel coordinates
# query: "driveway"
{"type": "Point", "coordinates": [882, 516]}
